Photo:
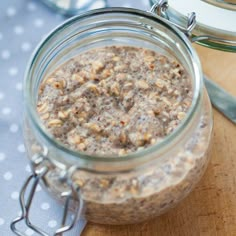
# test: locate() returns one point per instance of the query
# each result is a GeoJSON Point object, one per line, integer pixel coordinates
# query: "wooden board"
{"type": "Point", "coordinates": [210, 210]}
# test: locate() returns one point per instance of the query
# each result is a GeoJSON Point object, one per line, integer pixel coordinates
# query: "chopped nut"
{"type": "Point", "coordinates": [83, 115]}
{"type": "Point", "coordinates": [142, 84]}
{"type": "Point", "coordinates": [156, 111]}
{"type": "Point", "coordinates": [151, 113]}
{"type": "Point", "coordinates": [42, 108]}
{"type": "Point", "coordinates": [116, 58]}
{"type": "Point", "coordinates": [151, 67]}
{"type": "Point", "coordinates": [121, 76]}
{"type": "Point", "coordinates": [169, 130]}
{"type": "Point", "coordinates": [128, 85]}
{"type": "Point", "coordinates": [93, 127]}
{"type": "Point", "coordinates": [50, 80]}
{"type": "Point", "coordinates": [93, 88]}
{"type": "Point", "coordinates": [41, 88]}
{"type": "Point", "coordinates": [147, 137]}
{"type": "Point", "coordinates": [166, 101]}
{"type": "Point", "coordinates": [134, 188]}
{"type": "Point", "coordinates": [59, 84]}
{"type": "Point", "coordinates": [149, 58]}
{"type": "Point", "coordinates": [120, 68]}
{"type": "Point", "coordinates": [187, 103]}
{"type": "Point", "coordinates": [170, 91]}
{"type": "Point", "coordinates": [55, 122]}
{"type": "Point", "coordinates": [81, 146]}
{"type": "Point", "coordinates": [63, 114]}
{"type": "Point", "coordinates": [79, 182]}
{"type": "Point", "coordinates": [98, 66]}
{"type": "Point", "coordinates": [176, 72]}
{"type": "Point", "coordinates": [104, 183]}
{"type": "Point", "coordinates": [45, 116]}
{"type": "Point", "coordinates": [181, 115]}
{"type": "Point", "coordinates": [78, 78]}
{"type": "Point", "coordinates": [122, 152]}
{"type": "Point", "coordinates": [106, 73]}
{"type": "Point", "coordinates": [176, 92]}
{"type": "Point", "coordinates": [164, 113]}
{"type": "Point", "coordinates": [123, 138]}
{"type": "Point", "coordinates": [74, 139]}
{"type": "Point", "coordinates": [160, 83]}
{"type": "Point", "coordinates": [115, 89]}
{"type": "Point", "coordinates": [103, 83]}
{"type": "Point", "coordinates": [153, 141]}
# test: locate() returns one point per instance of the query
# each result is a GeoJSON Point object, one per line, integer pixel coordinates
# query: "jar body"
{"type": "Point", "coordinates": [143, 193]}
{"type": "Point", "coordinates": [128, 191]}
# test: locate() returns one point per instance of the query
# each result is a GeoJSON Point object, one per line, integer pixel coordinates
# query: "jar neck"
{"type": "Point", "coordinates": [103, 27]}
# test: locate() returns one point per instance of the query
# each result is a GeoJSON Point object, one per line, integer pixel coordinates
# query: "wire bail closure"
{"type": "Point", "coordinates": [160, 8]}
{"type": "Point", "coordinates": [41, 166]}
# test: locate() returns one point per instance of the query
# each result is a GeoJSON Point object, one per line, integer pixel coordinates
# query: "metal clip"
{"type": "Point", "coordinates": [160, 8]}
{"type": "Point", "coordinates": [26, 204]}
{"type": "Point", "coordinates": [72, 195]}
{"type": "Point", "coordinates": [35, 178]}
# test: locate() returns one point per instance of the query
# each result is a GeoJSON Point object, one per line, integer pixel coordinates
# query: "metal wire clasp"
{"type": "Point", "coordinates": [25, 202]}
{"type": "Point", "coordinates": [160, 8]}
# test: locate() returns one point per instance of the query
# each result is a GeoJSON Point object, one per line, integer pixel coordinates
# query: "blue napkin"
{"type": "Point", "coordinates": [23, 23]}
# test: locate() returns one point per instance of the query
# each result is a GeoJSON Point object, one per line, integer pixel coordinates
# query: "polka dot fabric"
{"type": "Point", "coordinates": [23, 23]}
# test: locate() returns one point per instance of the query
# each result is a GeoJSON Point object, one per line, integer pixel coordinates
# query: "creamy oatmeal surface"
{"type": "Point", "coordinates": [114, 100]}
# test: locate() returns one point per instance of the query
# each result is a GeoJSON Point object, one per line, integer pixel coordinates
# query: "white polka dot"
{"type": "Point", "coordinates": [19, 86]}
{"type": "Point", "coordinates": [31, 6]}
{"type": "Point", "coordinates": [14, 128]}
{"type": "Point", "coordinates": [29, 232]}
{"type": "Point", "coordinates": [2, 221]}
{"type": "Point", "coordinates": [97, 4]}
{"type": "Point", "coordinates": [5, 54]}
{"type": "Point", "coordinates": [18, 29]}
{"type": "Point", "coordinates": [38, 22]}
{"type": "Point", "coordinates": [26, 46]}
{"type": "Point", "coordinates": [1, 36]}
{"type": "Point", "coordinates": [39, 188]}
{"type": "Point", "coordinates": [21, 148]}
{"type": "Point", "coordinates": [13, 71]}
{"type": "Point", "coordinates": [11, 11]}
{"type": "Point", "coordinates": [146, 3]}
{"type": "Point", "coordinates": [81, 3]}
{"type": "Point", "coordinates": [15, 195]}
{"type": "Point", "coordinates": [2, 156]}
{"type": "Point", "coordinates": [6, 111]}
{"type": "Point", "coordinates": [27, 168]}
{"type": "Point", "coordinates": [1, 95]}
{"type": "Point", "coordinates": [52, 224]}
{"type": "Point", "coordinates": [7, 175]}
{"type": "Point", "coordinates": [45, 206]}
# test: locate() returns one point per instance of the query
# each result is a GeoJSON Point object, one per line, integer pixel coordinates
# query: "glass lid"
{"type": "Point", "coordinates": [215, 20]}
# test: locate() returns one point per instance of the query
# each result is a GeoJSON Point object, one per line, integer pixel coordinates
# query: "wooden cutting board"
{"type": "Point", "coordinates": [210, 210]}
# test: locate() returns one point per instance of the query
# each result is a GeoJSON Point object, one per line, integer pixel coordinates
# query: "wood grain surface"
{"type": "Point", "coordinates": [210, 210]}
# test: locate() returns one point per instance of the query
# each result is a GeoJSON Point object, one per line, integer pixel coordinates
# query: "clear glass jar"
{"type": "Point", "coordinates": [143, 184]}
{"type": "Point", "coordinates": [73, 7]}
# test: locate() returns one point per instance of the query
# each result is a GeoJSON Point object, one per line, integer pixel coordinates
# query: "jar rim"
{"type": "Point", "coordinates": [33, 116]}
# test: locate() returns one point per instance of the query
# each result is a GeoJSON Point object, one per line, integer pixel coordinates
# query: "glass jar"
{"type": "Point", "coordinates": [138, 186]}
{"type": "Point", "coordinates": [73, 7]}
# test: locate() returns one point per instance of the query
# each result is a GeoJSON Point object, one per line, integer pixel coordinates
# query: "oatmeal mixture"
{"type": "Point", "coordinates": [114, 100]}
